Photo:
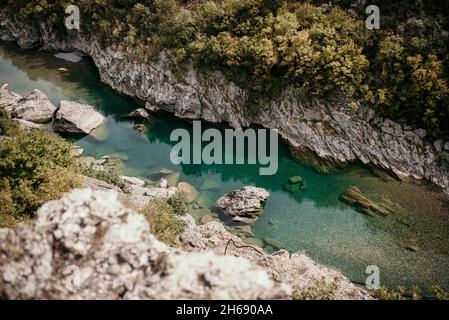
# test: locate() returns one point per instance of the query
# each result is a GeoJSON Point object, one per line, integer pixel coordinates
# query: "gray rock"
{"type": "Point", "coordinates": [8, 98]}
{"type": "Point", "coordinates": [296, 270]}
{"type": "Point", "coordinates": [77, 118]}
{"type": "Point", "coordinates": [87, 246]}
{"type": "Point", "coordinates": [139, 113]}
{"type": "Point", "coordinates": [28, 125]}
{"type": "Point", "coordinates": [77, 151]}
{"type": "Point", "coordinates": [438, 144]}
{"type": "Point", "coordinates": [244, 205]}
{"type": "Point", "coordinates": [163, 183]}
{"type": "Point", "coordinates": [35, 107]}
{"type": "Point", "coordinates": [133, 181]}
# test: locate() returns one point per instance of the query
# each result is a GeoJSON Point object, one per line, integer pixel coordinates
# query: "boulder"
{"type": "Point", "coordinates": [28, 125]}
{"type": "Point", "coordinates": [88, 246]}
{"type": "Point", "coordinates": [76, 118]}
{"type": "Point", "coordinates": [173, 178]}
{"type": "Point", "coordinates": [163, 183]}
{"type": "Point", "coordinates": [8, 98]}
{"type": "Point", "coordinates": [296, 184]}
{"type": "Point", "coordinates": [139, 113]}
{"type": "Point", "coordinates": [35, 107]}
{"type": "Point", "coordinates": [355, 198]}
{"type": "Point", "coordinates": [76, 151]}
{"type": "Point", "coordinates": [189, 191]}
{"type": "Point", "coordinates": [244, 205]}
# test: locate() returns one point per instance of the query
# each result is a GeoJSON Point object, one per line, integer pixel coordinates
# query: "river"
{"type": "Point", "coordinates": [313, 221]}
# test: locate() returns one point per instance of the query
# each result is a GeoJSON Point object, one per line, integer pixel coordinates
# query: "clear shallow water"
{"type": "Point", "coordinates": [314, 221]}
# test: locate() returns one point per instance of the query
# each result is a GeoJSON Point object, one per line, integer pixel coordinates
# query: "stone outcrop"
{"type": "Point", "coordinates": [87, 246]}
{"type": "Point", "coordinates": [355, 198]}
{"type": "Point", "coordinates": [297, 270]}
{"type": "Point", "coordinates": [140, 113]}
{"type": "Point", "coordinates": [8, 98]}
{"type": "Point", "coordinates": [76, 118]}
{"type": "Point", "coordinates": [244, 205]}
{"type": "Point", "coordinates": [35, 107]}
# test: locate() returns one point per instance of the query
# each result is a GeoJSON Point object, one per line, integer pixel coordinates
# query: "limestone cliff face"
{"type": "Point", "coordinates": [337, 130]}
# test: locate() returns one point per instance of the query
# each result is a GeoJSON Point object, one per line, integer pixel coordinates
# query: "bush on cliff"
{"type": "Point", "coordinates": [35, 167]}
{"type": "Point", "coordinates": [163, 217]}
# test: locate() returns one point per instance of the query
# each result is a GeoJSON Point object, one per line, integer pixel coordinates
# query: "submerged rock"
{"type": "Point", "coordinates": [211, 185]}
{"type": "Point", "coordinates": [35, 107]}
{"type": "Point", "coordinates": [244, 205]}
{"type": "Point", "coordinates": [87, 246]}
{"type": "Point", "coordinates": [173, 178]}
{"type": "Point", "coordinates": [190, 192]}
{"type": "Point", "coordinates": [296, 184]}
{"type": "Point", "coordinates": [355, 198]}
{"type": "Point", "coordinates": [76, 118]}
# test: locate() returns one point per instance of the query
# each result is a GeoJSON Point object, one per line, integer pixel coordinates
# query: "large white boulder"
{"type": "Point", "coordinates": [76, 118]}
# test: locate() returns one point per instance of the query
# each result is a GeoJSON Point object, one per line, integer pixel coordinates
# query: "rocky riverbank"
{"type": "Point", "coordinates": [94, 248]}
{"type": "Point", "coordinates": [337, 130]}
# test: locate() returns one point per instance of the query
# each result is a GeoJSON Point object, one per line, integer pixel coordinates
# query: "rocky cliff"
{"type": "Point", "coordinates": [88, 246]}
{"type": "Point", "coordinates": [336, 129]}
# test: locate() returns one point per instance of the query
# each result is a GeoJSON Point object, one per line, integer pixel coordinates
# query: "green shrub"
{"type": "Point", "coordinates": [319, 290]}
{"type": "Point", "coordinates": [35, 167]}
{"type": "Point", "coordinates": [163, 217]}
{"type": "Point", "coordinates": [8, 126]}
{"type": "Point", "coordinates": [109, 175]}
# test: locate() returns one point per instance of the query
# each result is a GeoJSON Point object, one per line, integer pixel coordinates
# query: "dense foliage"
{"type": "Point", "coordinates": [35, 167]}
{"type": "Point", "coordinates": [266, 45]}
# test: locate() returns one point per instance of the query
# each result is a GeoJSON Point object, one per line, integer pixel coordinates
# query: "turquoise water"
{"type": "Point", "coordinates": [313, 221]}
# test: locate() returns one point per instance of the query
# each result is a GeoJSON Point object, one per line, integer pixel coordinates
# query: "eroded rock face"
{"type": "Point", "coordinates": [87, 246]}
{"type": "Point", "coordinates": [76, 118]}
{"type": "Point", "coordinates": [35, 107]}
{"type": "Point", "coordinates": [244, 205]}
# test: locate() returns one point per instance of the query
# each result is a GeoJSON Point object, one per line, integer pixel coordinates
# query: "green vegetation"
{"type": "Point", "coordinates": [163, 217]}
{"type": "Point", "coordinates": [265, 45]}
{"type": "Point", "coordinates": [384, 293]}
{"type": "Point", "coordinates": [319, 290]}
{"type": "Point", "coordinates": [109, 175]}
{"type": "Point", "coordinates": [35, 167]}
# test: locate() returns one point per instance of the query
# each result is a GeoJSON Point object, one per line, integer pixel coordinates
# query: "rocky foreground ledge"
{"type": "Point", "coordinates": [88, 246]}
